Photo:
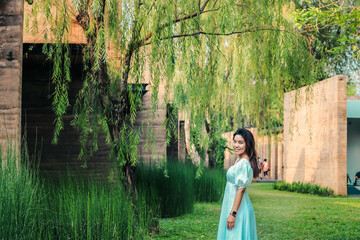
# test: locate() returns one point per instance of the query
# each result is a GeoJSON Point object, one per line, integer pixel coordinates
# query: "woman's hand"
{"type": "Point", "coordinates": [230, 223]}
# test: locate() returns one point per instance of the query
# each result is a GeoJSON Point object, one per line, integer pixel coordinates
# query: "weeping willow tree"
{"type": "Point", "coordinates": [221, 62]}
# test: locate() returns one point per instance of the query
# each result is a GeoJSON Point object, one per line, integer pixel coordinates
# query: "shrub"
{"type": "Point", "coordinates": [303, 188]}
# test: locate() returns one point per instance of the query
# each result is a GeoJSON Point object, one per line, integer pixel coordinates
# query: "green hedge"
{"type": "Point", "coordinates": [303, 188]}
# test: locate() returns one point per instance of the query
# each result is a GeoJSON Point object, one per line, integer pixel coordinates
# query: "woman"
{"type": "Point", "coordinates": [237, 218]}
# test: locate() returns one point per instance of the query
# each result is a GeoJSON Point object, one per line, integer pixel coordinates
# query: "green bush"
{"type": "Point", "coordinates": [303, 188]}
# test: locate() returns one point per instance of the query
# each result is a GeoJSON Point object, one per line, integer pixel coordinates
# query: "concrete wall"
{"type": "Point", "coordinates": [280, 158]}
{"type": "Point", "coordinates": [315, 135]}
{"type": "Point", "coordinates": [11, 18]}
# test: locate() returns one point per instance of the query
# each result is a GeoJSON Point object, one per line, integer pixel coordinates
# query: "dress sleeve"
{"type": "Point", "coordinates": [242, 179]}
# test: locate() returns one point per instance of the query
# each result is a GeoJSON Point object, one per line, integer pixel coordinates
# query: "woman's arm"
{"type": "Point", "coordinates": [230, 223]}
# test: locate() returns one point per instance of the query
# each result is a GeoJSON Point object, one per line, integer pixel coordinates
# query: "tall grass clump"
{"type": "Point", "coordinates": [20, 195]}
{"type": "Point", "coordinates": [175, 187]}
{"type": "Point", "coordinates": [210, 185]}
{"type": "Point", "coordinates": [172, 185]}
{"type": "Point", "coordinates": [303, 188]}
{"type": "Point", "coordinates": [89, 209]}
{"type": "Point", "coordinates": [66, 208]}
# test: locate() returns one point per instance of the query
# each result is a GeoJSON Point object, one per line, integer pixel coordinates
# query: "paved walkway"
{"type": "Point", "coordinates": [265, 180]}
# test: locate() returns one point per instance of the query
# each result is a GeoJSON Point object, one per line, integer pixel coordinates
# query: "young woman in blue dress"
{"type": "Point", "coordinates": [237, 218]}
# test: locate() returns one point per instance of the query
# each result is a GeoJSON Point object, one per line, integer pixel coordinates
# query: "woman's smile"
{"type": "Point", "coordinates": [238, 150]}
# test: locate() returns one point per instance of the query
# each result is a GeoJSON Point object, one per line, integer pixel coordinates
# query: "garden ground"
{"type": "Point", "coordinates": [279, 215]}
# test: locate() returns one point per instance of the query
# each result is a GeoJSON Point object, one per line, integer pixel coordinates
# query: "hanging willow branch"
{"type": "Point", "coordinates": [220, 61]}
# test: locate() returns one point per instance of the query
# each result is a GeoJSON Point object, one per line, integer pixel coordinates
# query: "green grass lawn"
{"type": "Point", "coordinates": [279, 215]}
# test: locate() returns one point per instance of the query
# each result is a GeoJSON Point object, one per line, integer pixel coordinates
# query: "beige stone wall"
{"type": "Point", "coordinates": [76, 34]}
{"type": "Point", "coordinates": [279, 170]}
{"type": "Point", "coordinates": [11, 18]}
{"type": "Point", "coordinates": [315, 135]}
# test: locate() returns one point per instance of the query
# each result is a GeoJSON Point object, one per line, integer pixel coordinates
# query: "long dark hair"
{"type": "Point", "coordinates": [250, 149]}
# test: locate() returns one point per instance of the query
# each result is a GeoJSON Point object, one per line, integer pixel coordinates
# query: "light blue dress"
{"type": "Point", "coordinates": [238, 176]}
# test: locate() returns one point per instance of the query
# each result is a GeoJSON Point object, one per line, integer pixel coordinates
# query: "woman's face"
{"type": "Point", "coordinates": [239, 145]}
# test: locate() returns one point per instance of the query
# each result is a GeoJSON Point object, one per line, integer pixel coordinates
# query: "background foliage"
{"type": "Point", "coordinates": [331, 29]}
{"type": "Point", "coordinates": [223, 63]}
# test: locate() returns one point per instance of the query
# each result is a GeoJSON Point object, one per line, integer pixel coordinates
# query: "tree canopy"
{"type": "Point", "coordinates": [332, 31]}
{"type": "Point", "coordinates": [224, 63]}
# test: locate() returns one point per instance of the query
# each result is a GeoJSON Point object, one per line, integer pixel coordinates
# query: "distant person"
{"type": "Point", "coordinates": [265, 167]}
{"type": "Point", "coordinates": [357, 179]}
{"type": "Point", "coordinates": [237, 218]}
